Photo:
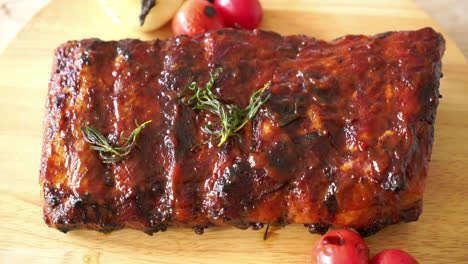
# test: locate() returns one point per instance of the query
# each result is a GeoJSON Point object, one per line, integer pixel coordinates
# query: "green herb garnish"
{"type": "Point", "coordinates": [231, 118]}
{"type": "Point", "coordinates": [108, 152]}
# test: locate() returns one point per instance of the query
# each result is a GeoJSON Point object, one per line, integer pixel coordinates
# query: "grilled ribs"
{"type": "Point", "coordinates": [344, 139]}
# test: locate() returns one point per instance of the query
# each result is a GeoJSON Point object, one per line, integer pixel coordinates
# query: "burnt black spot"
{"type": "Point", "coordinates": [256, 226]}
{"type": "Point", "coordinates": [51, 196]}
{"type": "Point", "coordinates": [330, 92]}
{"type": "Point", "coordinates": [155, 229]}
{"type": "Point", "coordinates": [282, 165]}
{"type": "Point", "coordinates": [157, 188]}
{"type": "Point", "coordinates": [286, 108]}
{"type": "Point", "coordinates": [373, 228]}
{"type": "Point", "coordinates": [330, 199]}
{"type": "Point", "coordinates": [331, 203]}
{"type": "Point", "coordinates": [209, 11]}
{"type": "Point", "coordinates": [182, 131]}
{"type": "Point", "coordinates": [110, 227]}
{"type": "Point", "coordinates": [60, 99]}
{"type": "Point", "coordinates": [317, 228]}
{"type": "Point", "coordinates": [232, 176]}
{"type": "Point", "coordinates": [95, 44]}
{"type": "Point", "coordinates": [329, 172]}
{"type": "Point", "coordinates": [383, 35]}
{"type": "Point", "coordinates": [248, 71]}
{"type": "Point", "coordinates": [157, 220]}
{"type": "Point", "coordinates": [288, 119]}
{"type": "Point", "coordinates": [60, 66]}
{"type": "Point", "coordinates": [151, 231]}
{"type": "Point", "coordinates": [109, 180]}
{"type": "Point", "coordinates": [85, 198]}
{"type": "Point", "coordinates": [395, 180]}
{"type": "Point", "coordinates": [81, 210]}
{"type": "Point", "coordinates": [315, 75]}
{"type": "Point", "coordinates": [140, 203]}
{"type": "Point", "coordinates": [248, 202]}
{"type": "Point", "coordinates": [209, 225]}
{"type": "Point", "coordinates": [109, 209]}
{"type": "Point", "coordinates": [243, 226]}
{"type": "Point", "coordinates": [124, 52]}
{"type": "Point", "coordinates": [198, 230]}
{"type": "Point", "coordinates": [86, 58]}
{"type": "Point", "coordinates": [339, 60]}
{"type": "Point", "coordinates": [97, 213]}
{"type": "Point", "coordinates": [277, 156]}
{"type": "Point", "coordinates": [234, 191]}
{"type": "Point", "coordinates": [313, 136]}
{"type": "Point", "coordinates": [64, 228]}
{"type": "Point", "coordinates": [411, 214]}
{"type": "Point", "coordinates": [272, 190]}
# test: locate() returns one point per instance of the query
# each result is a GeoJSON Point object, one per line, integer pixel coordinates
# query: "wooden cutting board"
{"type": "Point", "coordinates": [440, 236]}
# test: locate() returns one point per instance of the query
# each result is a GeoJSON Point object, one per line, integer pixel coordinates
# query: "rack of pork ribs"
{"type": "Point", "coordinates": [344, 139]}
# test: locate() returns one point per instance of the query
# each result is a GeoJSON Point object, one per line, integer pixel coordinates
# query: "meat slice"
{"type": "Point", "coordinates": [344, 139]}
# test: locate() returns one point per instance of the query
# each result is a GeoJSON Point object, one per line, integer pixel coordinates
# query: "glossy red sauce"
{"type": "Point", "coordinates": [344, 140]}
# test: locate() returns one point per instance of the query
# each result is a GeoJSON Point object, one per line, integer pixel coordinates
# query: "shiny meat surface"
{"type": "Point", "coordinates": [344, 140]}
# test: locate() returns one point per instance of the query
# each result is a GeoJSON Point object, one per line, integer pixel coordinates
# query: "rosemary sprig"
{"type": "Point", "coordinates": [231, 118]}
{"type": "Point", "coordinates": [108, 152]}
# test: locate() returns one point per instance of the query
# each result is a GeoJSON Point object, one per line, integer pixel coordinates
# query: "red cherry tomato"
{"type": "Point", "coordinates": [393, 256]}
{"type": "Point", "coordinates": [245, 13]}
{"type": "Point", "coordinates": [196, 16]}
{"type": "Point", "coordinates": [341, 246]}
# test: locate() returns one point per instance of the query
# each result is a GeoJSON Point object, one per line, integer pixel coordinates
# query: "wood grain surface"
{"type": "Point", "coordinates": [440, 236]}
